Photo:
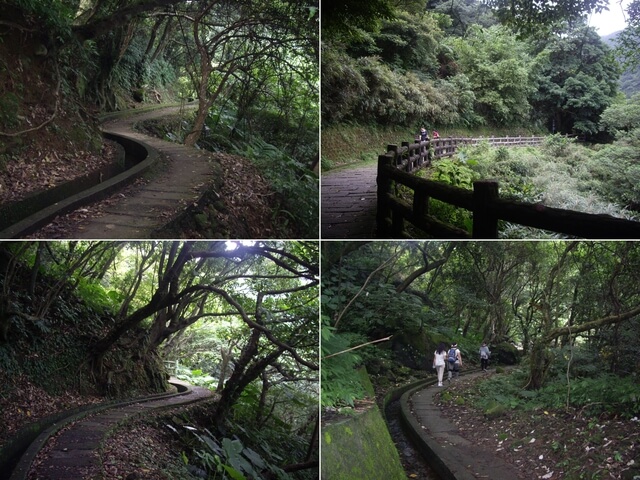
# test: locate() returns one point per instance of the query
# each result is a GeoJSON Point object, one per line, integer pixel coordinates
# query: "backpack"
{"type": "Point", "coordinates": [452, 355]}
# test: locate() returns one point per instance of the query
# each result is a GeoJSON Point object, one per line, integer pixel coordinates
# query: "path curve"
{"type": "Point", "coordinates": [440, 441]}
{"type": "Point", "coordinates": [349, 203]}
{"type": "Point", "coordinates": [154, 204]}
{"type": "Point", "coordinates": [75, 451]}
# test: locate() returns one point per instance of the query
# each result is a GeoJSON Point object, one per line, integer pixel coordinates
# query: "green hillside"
{"type": "Point", "coordinates": [630, 78]}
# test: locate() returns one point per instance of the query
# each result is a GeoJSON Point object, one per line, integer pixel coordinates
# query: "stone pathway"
{"type": "Point", "coordinates": [76, 451]}
{"type": "Point", "coordinates": [464, 459]}
{"type": "Point", "coordinates": [349, 203]}
{"type": "Point", "coordinates": [152, 205]}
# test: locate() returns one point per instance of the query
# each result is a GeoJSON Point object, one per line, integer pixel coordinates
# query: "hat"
{"type": "Point", "coordinates": [454, 344]}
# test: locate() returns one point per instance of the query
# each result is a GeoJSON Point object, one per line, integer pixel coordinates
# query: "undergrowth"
{"type": "Point", "coordinates": [591, 396]}
{"type": "Point", "coordinates": [245, 448]}
{"type": "Point", "coordinates": [295, 185]}
{"type": "Point", "coordinates": [351, 144]}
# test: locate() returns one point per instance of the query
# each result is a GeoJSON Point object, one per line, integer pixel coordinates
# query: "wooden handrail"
{"type": "Point", "coordinates": [395, 167]}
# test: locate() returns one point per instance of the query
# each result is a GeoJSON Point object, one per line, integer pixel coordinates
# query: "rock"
{"type": "Point", "coordinates": [495, 410]}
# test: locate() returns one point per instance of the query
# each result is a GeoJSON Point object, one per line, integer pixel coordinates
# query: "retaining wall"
{"type": "Point", "coordinates": [360, 447]}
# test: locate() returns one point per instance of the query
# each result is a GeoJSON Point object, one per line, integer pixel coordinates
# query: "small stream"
{"type": "Point", "coordinates": [414, 465]}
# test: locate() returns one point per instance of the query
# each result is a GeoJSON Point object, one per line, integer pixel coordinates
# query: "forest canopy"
{"type": "Point", "coordinates": [148, 294]}
{"type": "Point", "coordinates": [535, 300]}
{"type": "Point", "coordinates": [468, 64]}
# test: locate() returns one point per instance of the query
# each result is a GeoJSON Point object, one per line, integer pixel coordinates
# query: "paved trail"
{"type": "Point", "coordinates": [349, 203]}
{"type": "Point", "coordinates": [178, 179]}
{"type": "Point", "coordinates": [75, 452]}
{"type": "Point", "coordinates": [153, 204]}
{"type": "Point", "coordinates": [464, 459]}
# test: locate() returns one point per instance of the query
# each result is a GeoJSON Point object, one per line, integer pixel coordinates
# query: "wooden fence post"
{"type": "Point", "coordinates": [394, 149]}
{"type": "Point", "coordinates": [420, 203]}
{"type": "Point", "coordinates": [383, 214]}
{"type": "Point", "coordinates": [485, 223]}
{"type": "Point", "coordinates": [409, 166]}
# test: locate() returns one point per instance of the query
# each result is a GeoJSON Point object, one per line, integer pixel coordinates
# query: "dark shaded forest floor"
{"type": "Point", "coordinates": [249, 201]}
{"type": "Point", "coordinates": [550, 444]}
{"type": "Point", "coordinates": [43, 166]}
{"type": "Point", "coordinates": [28, 402]}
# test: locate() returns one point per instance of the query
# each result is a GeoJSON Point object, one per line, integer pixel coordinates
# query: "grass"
{"type": "Point", "coordinates": [352, 144]}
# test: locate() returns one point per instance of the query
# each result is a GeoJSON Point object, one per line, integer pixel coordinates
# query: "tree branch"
{"type": "Point", "coordinates": [601, 322]}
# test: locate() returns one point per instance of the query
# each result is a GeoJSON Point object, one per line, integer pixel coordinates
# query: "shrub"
{"type": "Point", "coordinates": [556, 145]}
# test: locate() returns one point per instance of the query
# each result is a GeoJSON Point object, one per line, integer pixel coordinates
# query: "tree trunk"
{"type": "Point", "coordinates": [194, 135]}
{"type": "Point", "coordinates": [243, 374]}
{"type": "Point", "coordinates": [540, 363]}
{"type": "Point", "coordinates": [540, 359]}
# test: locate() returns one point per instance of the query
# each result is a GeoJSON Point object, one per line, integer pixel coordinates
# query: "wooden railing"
{"type": "Point", "coordinates": [396, 166]}
{"type": "Point", "coordinates": [447, 147]}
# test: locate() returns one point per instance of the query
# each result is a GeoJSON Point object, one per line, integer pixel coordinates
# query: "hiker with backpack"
{"type": "Point", "coordinates": [439, 361]}
{"type": "Point", "coordinates": [485, 353]}
{"type": "Point", "coordinates": [454, 361]}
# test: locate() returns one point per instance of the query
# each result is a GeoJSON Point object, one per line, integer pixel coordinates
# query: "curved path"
{"type": "Point", "coordinates": [349, 203]}
{"type": "Point", "coordinates": [440, 441]}
{"type": "Point", "coordinates": [75, 452]}
{"type": "Point", "coordinates": [152, 205]}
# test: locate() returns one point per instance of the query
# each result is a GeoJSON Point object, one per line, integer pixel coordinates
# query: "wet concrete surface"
{"type": "Point", "coordinates": [414, 465]}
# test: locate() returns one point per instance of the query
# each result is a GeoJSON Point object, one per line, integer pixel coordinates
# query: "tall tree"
{"type": "Point", "coordinates": [578, 81]}
{"type": "Point", "coordinates": [500, 72]}
{"type": "Point", "coordinates": [231, 37]}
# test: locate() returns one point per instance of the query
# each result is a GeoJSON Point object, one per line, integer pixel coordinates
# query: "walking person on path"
{"type": "Point", "coordinates": [439, 361]}
{"type": "Point", "coordinates": [424, 136]}
{"type": "Point", "coordinates": [454, 359]}
{"type": "Point", "coordinates": [485, 353]}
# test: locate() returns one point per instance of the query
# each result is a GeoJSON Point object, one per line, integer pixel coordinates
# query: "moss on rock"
{"type": "Point", "coordinates": [360, 447]}
{"type": "Point", "coordinates": [495, 410]}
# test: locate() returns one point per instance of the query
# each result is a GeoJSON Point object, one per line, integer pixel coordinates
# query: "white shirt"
{"type": "Point", "coordinates": [440, 358]}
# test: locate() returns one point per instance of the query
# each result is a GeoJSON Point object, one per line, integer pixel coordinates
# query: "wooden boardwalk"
{"type": "Point", "coordinates": [348, 207]}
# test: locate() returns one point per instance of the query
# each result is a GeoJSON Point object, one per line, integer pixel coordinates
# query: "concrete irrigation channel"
{"type": "Point", "coordinates": [77, 447]}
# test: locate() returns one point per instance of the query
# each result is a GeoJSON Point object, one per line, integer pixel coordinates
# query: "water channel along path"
{"type": "Point", "coordinates": [188, 172]}
{"type": "Point", "coordinates": [75, 451]}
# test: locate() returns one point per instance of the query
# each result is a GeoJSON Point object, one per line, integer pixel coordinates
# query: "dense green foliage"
{"type": "Point", "coordinates": [452, 65]}
{"type": "Point", "coordinates": [242, 317]}
{"type": "Point", "coordinates": [578, 80]}
{"type": "Point", "coordinates": [500, 70]}
{"type": "Point", "coordinates": [571, 308]}
{"type": "Point", "coordinates": [588, 388]}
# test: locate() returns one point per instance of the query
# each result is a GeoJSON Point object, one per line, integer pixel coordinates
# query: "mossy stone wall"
{"type": "Point", "coordinates": [358, 448]}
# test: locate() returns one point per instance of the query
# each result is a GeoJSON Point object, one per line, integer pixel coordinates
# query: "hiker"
{"type": "Point", "coordinates": [435, 135]}
{"type": "Point", "coordinates": [485, 353]}
{"type": "Point", "coordinates": [454, 360]}
{"type": "Point", "coordinates": [423, 135]}
{"type": "Point", "coordinates": [439, 361]}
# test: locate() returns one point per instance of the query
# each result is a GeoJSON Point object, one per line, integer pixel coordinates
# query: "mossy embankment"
{"type": "Point", "coordinates": [360, 446]}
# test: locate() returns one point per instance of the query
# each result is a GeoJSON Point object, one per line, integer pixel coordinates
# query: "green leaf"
{"type": "Point", "coordinates": [233, 473]}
